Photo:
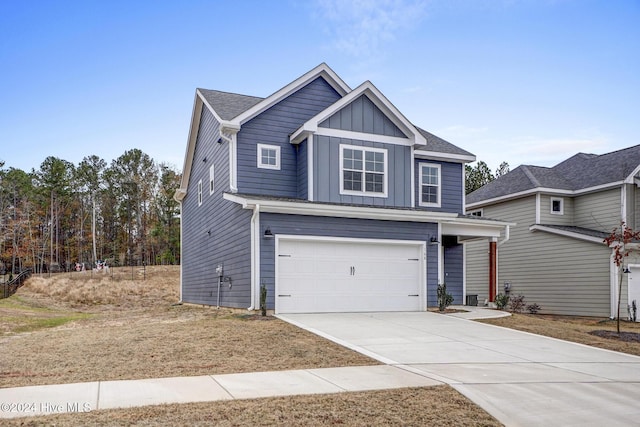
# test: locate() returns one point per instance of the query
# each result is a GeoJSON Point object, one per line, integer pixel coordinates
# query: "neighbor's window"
{"type": "Point", "coordinates": [477, 212]}
{"type": "Point", "coordinates": [268, 156]}
{"type": "Point", "coordinates": [211, 180]}
{"type": "Point", "coordinates": [557, 206]}
{"type": "Point", "coordinates": [363, 171]}
{"type": "Point", "coordinates": [199, 192]}
{"type": "Point", "coordinates": [429, 184]}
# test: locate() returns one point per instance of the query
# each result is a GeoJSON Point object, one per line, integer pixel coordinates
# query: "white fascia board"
{"type": "Point", "coordinates": [472, 230]}
{"type": "Point", "coordinates": [379, 100]}
{"type": "Point", "coordinates": [191, 145]}
{"type": "Point", "coordinates": [550, 191]}
{"type": "Point", "coordinates": [578, 236]}
{"type": "Point", "coordinates": [631, 178]}
{"type": "Point", "coordinates": [365, 212]}
{"type": "Point", "coordinates": [209, 107]}
{"type": "Point", "coordinates": [454, 158]}
{"type": "Point", "coordinates": [321, 70]}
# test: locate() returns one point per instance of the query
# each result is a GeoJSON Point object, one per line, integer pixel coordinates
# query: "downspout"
{"type": "Point", "coordinates": [255, 252]}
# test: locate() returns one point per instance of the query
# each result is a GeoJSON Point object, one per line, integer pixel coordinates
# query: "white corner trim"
{"type": "Point", "coordinates": [310, 169]}
{"type": "Point", "coordinates": [538, 201]}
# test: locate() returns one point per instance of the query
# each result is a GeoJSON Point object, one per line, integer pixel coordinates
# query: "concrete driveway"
{"type": "Point", "coordinates": [521, 379]}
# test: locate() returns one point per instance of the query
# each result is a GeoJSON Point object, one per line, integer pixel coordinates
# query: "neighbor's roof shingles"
{"type": "Point", "coordinates": [576, 173]}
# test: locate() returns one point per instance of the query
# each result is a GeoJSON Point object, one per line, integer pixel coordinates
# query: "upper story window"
{"type": "Point", "coordinates": [211, 180]}
{"type": "Point", "coordinates": [363, 171]}
{"type": "Point", "coordinates": [430, 185]}
{"type": "Point", "coordinates": [199, 192]}
{"type": "Point", "coordinates": [477, 212]}
{"type": "Point", "coordinates": [268, 156]}
{"type": "Point", "coordinates": [557, 205]}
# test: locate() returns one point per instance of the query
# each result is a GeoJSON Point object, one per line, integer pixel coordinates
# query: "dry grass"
{"type": "Point", "coordinates": [571, 328]}
{"type": "Point", "coordinates": [441, 406]}
{"type": "Point", "coordinates": [132, 330]}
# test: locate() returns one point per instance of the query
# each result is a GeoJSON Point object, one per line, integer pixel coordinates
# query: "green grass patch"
{"type": "Point", "coordinates": [18, 315]}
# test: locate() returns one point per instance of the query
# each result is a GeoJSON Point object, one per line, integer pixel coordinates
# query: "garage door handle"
{"type": "Point", "coordinates": [416, 295]}
{"type": "Point", "coordinates": [284, 295]}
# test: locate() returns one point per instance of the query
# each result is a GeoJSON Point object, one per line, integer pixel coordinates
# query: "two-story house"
{"type": "Point", "coordinates": [326, 195]}
{"type": "Point", "coordinates": [556, 256]}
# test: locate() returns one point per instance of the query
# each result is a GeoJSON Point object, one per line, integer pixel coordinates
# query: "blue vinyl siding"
{"type": "Point", "coordinates": [344, 227]}
{"type": "Point", "coordinates": [229, 240]}
{"type": "Point", "coordinates": [326, 173]}
{"type": "Point", "coordinates": [274, 127]}
{"type": "Point", "coordinates": [303, 183]}
{"type": "Point", "coordinates": [451, 191]}
{"type": "Point", "coordinates": [362, 115]}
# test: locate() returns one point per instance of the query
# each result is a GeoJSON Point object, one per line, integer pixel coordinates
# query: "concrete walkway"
{"type": "Point", "coordinates": [521, 379]}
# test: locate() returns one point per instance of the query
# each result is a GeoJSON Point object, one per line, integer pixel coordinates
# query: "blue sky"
{"type": "Point", "coordinates": [527, 82]}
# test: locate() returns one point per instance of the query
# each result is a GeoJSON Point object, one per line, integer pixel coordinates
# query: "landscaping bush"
{"type": "Point", "coordinates": [533, 308]}
{"type": "Point", "coordinates": [516, 304]}
{"type": "Point", "coordinates": [444, 299]}
{"type": "Point", "coordinates": [501, 301]}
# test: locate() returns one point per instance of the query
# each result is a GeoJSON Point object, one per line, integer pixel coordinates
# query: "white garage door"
{"type": "Point", "coordinates": [314, 276]}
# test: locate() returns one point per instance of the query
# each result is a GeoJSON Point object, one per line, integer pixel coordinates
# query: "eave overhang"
{"type": "Point", "coordinates": [451, 223]}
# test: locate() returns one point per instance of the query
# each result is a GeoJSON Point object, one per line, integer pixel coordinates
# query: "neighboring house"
{"type": "Point", "coordinates": [555, 255]}
{"type": "Point", "coordinates": [326, 195]}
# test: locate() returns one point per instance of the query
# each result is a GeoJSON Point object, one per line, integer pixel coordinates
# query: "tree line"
{"type": "Point", "coordinates": [62, 214]}
{"type": "Point", "coordinates": [480, 174]}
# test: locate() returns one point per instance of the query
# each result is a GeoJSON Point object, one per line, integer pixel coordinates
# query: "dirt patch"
{"type": "Point", "coordinates": [576, 329]}
{"type": "Point", "coordinates": [622, 336]}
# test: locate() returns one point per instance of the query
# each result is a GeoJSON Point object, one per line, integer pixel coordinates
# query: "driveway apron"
{"type": "Point", "coordinates": [521, 379]}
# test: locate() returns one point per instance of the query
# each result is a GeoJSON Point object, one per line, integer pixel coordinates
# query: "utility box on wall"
{"type": "Point", "coordinates": [472, 300]}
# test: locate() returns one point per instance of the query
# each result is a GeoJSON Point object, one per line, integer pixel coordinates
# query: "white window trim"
{"type": "Point", "coordinates": [363, 192]}
{"type": "Point", "coordinates": [476, 211]}
{"type": "Point", "coordinates": [426, 204]}
{"type": "Point", "coordinates": [200, 193]}
{"type": "Point", "coordinates": [212, 181]}
{"type": "Point", "coordinates": [268, 147]}
{"type": "Point", "coordinates": [556, 199]}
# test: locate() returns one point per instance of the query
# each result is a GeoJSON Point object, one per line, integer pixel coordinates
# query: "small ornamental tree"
{"type": "Point", "coordinates": [619, 240]}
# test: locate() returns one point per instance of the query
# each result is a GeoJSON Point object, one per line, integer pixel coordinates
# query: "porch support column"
{"type": "Point", "coordinates": [492, 269]}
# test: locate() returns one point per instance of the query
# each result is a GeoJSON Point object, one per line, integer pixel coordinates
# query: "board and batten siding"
{"type": "Point", "coordinates": [598, 211]}
{"type": "Point", "coordinates": [562, 275]}
{"type": "Point", "coordinates": [273, 127]}
{"type": "Point", "coordinates": [327, 177]}
{"type": "Point", "coordinates": [451, 191]}
{"type": "Point", "coordinates": [216, 232]}
{"type": "Point", "coordinates": [546, 217]}
{"type": "Point", "coordinates": [361, 115]}
{"type": "Point", "coordinates": [303, 182]}
{"type": "Point", "coordinates": [344, 227]}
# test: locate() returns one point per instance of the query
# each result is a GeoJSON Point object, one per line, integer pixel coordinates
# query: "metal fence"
{"type": "Point", "coordinates": [9, 288]}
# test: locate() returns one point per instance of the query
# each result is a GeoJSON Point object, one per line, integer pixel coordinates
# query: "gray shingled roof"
{"type": "Point", "coordinates": [229, 105]}
{"type": "Point", "coordinates": [577, 172]}
{"type": "Point", "coordinates": [439, 145]}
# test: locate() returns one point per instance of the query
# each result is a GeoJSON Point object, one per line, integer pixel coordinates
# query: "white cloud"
{"type": "Point", "coordinates": [361, 27]}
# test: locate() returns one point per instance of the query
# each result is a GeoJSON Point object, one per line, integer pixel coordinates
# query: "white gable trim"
{"type": "Point", "coordinates": [566, 233]}
{"type": "Point", "coordinates": [379, 100]}
{"type": "Point", "coordinates": [191, 147]}
{"type": "Point", "coordinates": [321, 70]}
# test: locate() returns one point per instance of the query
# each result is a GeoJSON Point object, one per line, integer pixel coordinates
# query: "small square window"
{"type": "Point", "coordinates": [557, 206]}
{"type": "Point", "coordinates": [268, 156]}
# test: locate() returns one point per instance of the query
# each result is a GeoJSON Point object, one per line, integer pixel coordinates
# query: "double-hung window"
{"type": "Point", "coordinates": [363, 171]}
{"type": "Point", "coordinates": [430, 185]}
{"type": "Point", "coordinates": [268, 156]}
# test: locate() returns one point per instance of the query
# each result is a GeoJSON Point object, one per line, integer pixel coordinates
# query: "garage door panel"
{"type": "Point", "coordinates": [343, 276]}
